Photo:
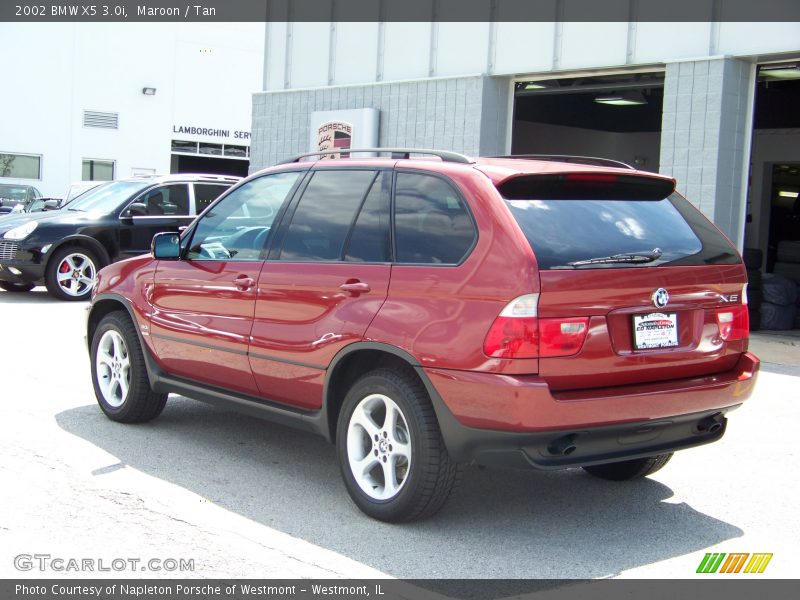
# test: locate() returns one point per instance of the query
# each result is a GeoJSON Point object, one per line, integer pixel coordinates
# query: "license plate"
{"type": "Point", "coordinates": [656, 330]}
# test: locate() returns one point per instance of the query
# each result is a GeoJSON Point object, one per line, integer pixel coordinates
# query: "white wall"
{"type": "Point", "coordinates": [204, 75]}
{"type": "Point", "coordinates": [36, 103]}
{"type": "Point", "coordinates": [417, 50]}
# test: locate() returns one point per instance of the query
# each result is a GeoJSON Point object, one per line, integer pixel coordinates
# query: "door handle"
{"type": "Point", "coordinates": [355, 287]}
{"type": "Point", "coordinates": [244, 283]}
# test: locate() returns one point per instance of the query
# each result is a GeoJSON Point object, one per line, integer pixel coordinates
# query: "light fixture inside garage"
{"type": "Point", "coordinates": [533, 85]}
{"type": "Point", "coordinates": [149, 91]}
{"type": "Point", "coordinates": [779, 71]}
{"type": "Point", "coordinates": [629, 98]}
{"type": "Point", "coordinates": [788, 194]}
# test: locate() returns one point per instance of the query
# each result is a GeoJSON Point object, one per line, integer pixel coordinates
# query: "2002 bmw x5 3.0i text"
{"type": "Point", "coordinates": [422, 313]}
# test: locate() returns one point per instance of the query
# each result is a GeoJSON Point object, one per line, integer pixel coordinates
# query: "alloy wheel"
{"type": "Point", "coordinates": [113, 368]}
{"type": "Point", "coordinates": [75, 274]}
{"type": "Point", "coordinates": [379, 447]}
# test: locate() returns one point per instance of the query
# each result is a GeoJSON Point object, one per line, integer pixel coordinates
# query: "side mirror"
{"type": "Point", "coordinates": [166, 246]}
{"type": "Point", "coordinates": [52, 204]}
{"type": "Point", "coordinates": [136, 209]}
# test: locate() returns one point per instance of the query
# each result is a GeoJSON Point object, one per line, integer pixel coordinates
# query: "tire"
{"type": "Point", "coordinates": [778, 289]}
{"type": "Point", "coordinates": [629, 469]}
{"type": "Point", "coordinates": [71, 272]}
{"type": "Point", "coordinates": [410, 457]}
{"type": "Point", "coordinates": [753, 257]}
{"type": "Point", "coordinates": [10, 286]}
{"type": "Point", "coordinates": [775, 317]}
{"type": "Point", "coordinates": [789, 270]}
{"type": "Point", "coordinates": [119, 376]}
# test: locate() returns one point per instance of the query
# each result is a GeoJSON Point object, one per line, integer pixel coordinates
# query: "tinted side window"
{"type": "Point", "coordinates": [369, 240]}
{"type": "Point", "coordinates": [432, 224]}
{"type": "Point", "coordinates": [205, 194]}
{"type": "Point", "coordinates": [239, 226]}
{"type": "Point", "coordinates": [167, 200]}
{"type": "Point", "coordinates": [324, 215]}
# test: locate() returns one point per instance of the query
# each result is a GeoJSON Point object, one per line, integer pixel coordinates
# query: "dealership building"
{"type": "Point", "coordinates": [101, 101]}
{"type": "Point", "coordinates": [713, 104]}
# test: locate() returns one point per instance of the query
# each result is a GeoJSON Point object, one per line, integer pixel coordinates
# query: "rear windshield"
{"type": "Point", "coordinates": [581, 234]}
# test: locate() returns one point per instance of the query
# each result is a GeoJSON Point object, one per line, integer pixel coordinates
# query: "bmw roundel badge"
{"type": "Point", "coordinates": [660, 298]}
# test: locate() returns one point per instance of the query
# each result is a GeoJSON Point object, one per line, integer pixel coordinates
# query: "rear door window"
{"type": "Point", "coordinates": [326, 211]}
{"type": "Point", "coordinates": [369, 239]}
{"type": "Point", "coordinates": [167, 200]}
{"type": "Point", "coordinates": [569, 233]}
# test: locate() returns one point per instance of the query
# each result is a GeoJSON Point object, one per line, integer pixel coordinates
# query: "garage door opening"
{"type": "Point", "coordinates": [772, 229]}
{"type": "Point", "coordinates": [612, 116]}
{"type": "Point", "coordinates": [214, 159]}
{"type": "Point", "coordinates": [784, 211]}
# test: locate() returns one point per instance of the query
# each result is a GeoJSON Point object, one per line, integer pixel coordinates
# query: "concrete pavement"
{"type": "Point", "coordinates": [246, 498]}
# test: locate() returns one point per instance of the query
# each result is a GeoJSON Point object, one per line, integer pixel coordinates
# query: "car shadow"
{"type": "Point", "coordinates": [501, 524]}
{"type": "Point", "coordinates": [37, 295]}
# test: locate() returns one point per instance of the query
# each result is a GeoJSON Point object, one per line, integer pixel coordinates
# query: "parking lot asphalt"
{"type": "Point", "coordinates": [247, 498]}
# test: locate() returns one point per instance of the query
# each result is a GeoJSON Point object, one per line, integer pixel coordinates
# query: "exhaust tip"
{"type": "Point", "coordinates": [563, 446]}
{"type": "Point", "coordinates": [711, 424]}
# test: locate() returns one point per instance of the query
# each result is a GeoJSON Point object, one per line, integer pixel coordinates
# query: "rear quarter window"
{"type": "Point", "coordinates": [432, 223]}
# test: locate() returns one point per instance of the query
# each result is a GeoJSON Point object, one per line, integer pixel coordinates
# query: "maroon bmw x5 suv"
{"type": "Point", "coordinates": [426, 310]}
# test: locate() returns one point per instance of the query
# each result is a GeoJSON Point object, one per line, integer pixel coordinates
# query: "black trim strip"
{"type": "Point", "coordinates": [287, 361]}
{"type": "Point", "coordinates": [238, 352]}
{"type": "Point", "coordinates": [262, 408]}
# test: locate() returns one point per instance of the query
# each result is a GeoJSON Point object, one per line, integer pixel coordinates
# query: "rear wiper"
{"type": "Point", "coordinates": [633, 257]}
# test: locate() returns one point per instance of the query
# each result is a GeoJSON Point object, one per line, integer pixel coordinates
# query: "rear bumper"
{"type": "Point", "coordinates": [516, 421]}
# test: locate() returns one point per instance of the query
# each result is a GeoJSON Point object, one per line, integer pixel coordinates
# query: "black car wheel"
{"type": "Point", "coordinates": [119, 375]}
{"type": "Point", "coordinates": [391, 453]}
{"type": "Point", "coordinates": [71, 272]}
{"type": "Point", "coordinates": [16, 287]}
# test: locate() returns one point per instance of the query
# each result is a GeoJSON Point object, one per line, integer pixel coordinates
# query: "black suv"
{"type": "Point", "coordinates": [117, 220]}
{"type": "Point", "coordinates": [12, 195]}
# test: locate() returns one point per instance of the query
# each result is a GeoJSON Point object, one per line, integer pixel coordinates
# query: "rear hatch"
{"type": "Point", "coordinates": [660, 289]}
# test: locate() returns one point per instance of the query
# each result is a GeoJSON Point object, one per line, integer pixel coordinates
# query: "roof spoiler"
{"type": "Point", "coordinates": [586, 186]}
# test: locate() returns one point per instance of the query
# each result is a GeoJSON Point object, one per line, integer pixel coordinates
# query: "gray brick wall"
{"type": "Point", "coordinates": [465, 114]}
{"type": "Point", "coordinates": [703, 137]}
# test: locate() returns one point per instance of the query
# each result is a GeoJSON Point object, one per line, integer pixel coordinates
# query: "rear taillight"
{"type": "Point", "coordinates": [562, 337]}
{"type": "Point", "coordinates": [518, 332]}
{"type": "Point", "coordinates": [733, 322]}
{"type": "Point", "coordinates": [515, 332]}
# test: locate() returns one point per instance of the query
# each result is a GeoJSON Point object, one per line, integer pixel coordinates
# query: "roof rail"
{"type": "Point", "coordinates": [446, 156]}
{"type": "Point", "coordinates": [569, 158]}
